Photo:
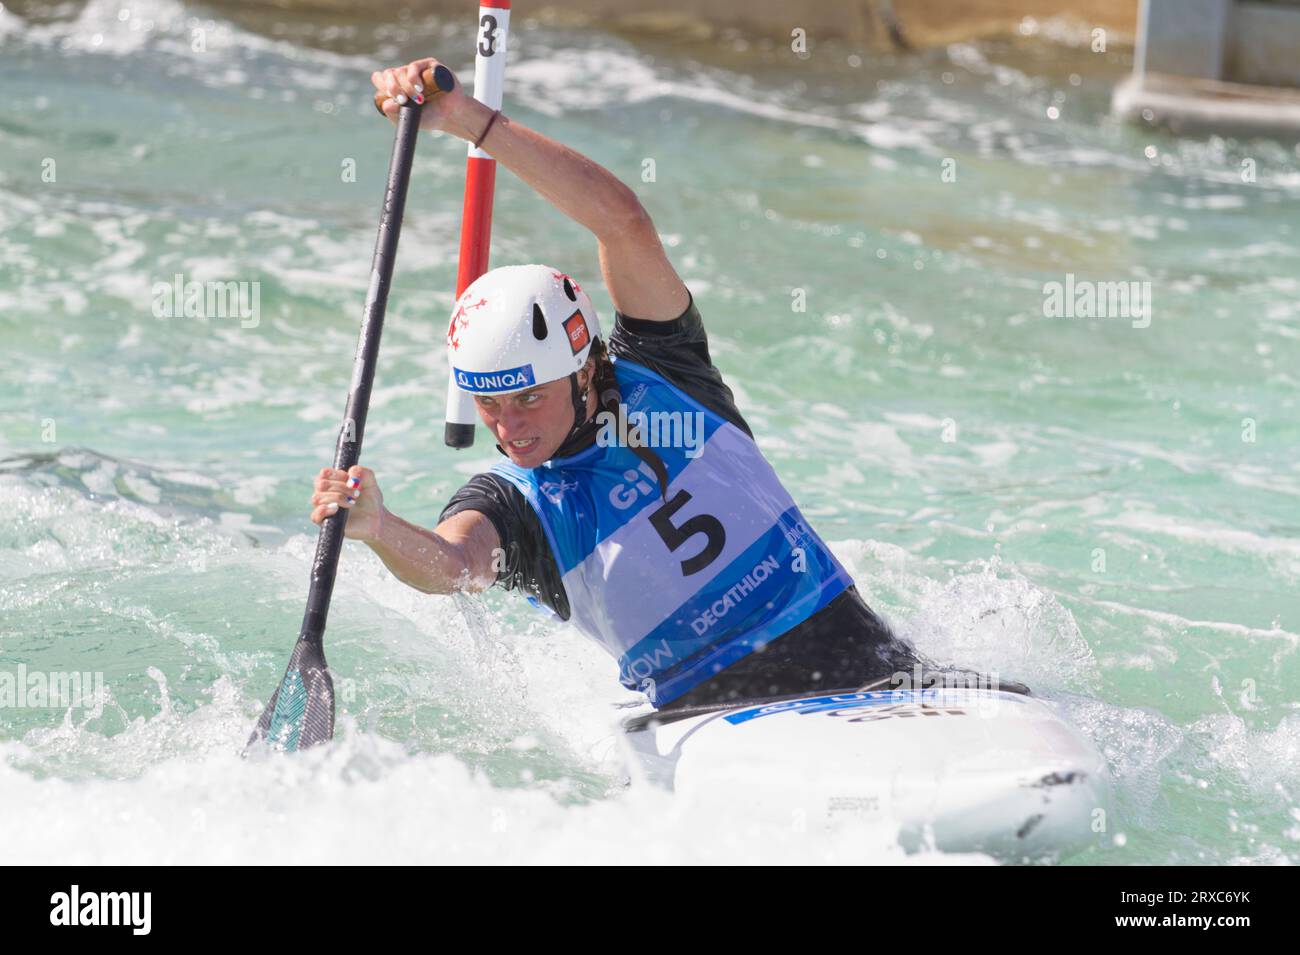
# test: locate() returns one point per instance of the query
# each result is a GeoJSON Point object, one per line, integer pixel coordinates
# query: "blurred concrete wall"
{"type": "Point", "coordinates": [1264, 44]}
{"type": "Point", "coordinates": [1241, 41]}
{"type": "Point", "coordinates": [1230, 67]}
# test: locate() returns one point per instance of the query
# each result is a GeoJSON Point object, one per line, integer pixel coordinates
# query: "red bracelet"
{"type": "Point", "coordinates": [487, 129]}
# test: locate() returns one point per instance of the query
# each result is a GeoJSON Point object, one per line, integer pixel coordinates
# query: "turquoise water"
{"type": "Point", "coordinates": [1104, 511]}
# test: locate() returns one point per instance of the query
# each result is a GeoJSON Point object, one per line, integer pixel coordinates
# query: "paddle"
{"type": "Point", "coordinates": [301, 711]}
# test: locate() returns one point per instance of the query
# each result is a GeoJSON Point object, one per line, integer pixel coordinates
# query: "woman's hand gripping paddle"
{"type": "Point", "coordinates": [301, 711]}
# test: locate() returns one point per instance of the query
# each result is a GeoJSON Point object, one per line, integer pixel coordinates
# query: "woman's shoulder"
{"type": "Point", "coordinates": [631, 335]}
{"type": "Point", "coordinates": [678, 351]}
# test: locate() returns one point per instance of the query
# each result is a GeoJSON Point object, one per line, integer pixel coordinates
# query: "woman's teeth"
{"type": "Point", "coordinates": [521, 445]}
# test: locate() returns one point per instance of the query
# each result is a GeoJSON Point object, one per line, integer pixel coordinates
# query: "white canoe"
{"type": "Point", "coordinates": [958, 769]}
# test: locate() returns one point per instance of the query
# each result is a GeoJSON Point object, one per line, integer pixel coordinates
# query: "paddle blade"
{"type": "Point", "coordinates": [301, 711]}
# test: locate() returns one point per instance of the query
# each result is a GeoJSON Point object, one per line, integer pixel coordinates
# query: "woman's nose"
{"type": "Point", "coordinates": [509, 420]}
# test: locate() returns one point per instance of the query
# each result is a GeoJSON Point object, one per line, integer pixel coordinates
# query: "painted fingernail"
{"type": "Point", "coordinates": [401, 99]}
{"type": "Point", "coordinates": [332, 508]}
{"type": "Point", "coordinates": [419, 99]}
{"type": "Point", "coordinates": [354, 482]}
{"type": "Point", "coordinates": [352, 500]}
{"type": "Point", "coordinates": [419, 87]}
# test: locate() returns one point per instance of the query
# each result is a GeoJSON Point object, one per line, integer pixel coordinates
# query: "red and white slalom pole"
{"type": "Point", "coordinates": [480, 181]}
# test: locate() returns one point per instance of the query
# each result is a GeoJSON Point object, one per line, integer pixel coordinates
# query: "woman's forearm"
{"type": "Point", "coordinates": [419, 558]}
{"type": "Point", "coordinates": [582, 189]}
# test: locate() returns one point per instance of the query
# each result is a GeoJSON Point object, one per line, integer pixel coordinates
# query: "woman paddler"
{"type": "Point", "coordinates": [631, 499]}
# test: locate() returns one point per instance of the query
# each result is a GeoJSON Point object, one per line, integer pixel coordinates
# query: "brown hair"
{"type": "Point", "coordinates": [603, 380]}
{"type": "Point", "coordinates": [608, 398]}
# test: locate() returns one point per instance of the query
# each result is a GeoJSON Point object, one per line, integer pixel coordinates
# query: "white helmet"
{"type": "Point", "coordinates": [519, 326]}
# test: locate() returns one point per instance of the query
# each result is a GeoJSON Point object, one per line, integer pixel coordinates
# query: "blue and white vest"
{"type": "Point", "coordinates": [678, 591]}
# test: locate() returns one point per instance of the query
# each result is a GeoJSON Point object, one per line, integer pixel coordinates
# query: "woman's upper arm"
{"type": "Point", "coordinates": [641, 280]}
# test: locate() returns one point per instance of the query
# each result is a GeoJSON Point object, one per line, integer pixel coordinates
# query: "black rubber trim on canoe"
{"type": "Point", "coordinates": [673, 715]}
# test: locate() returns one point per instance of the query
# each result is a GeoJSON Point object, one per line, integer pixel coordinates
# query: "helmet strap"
{"type": "Point", "coordinates": [583, 427]}
{"type": "Point", "coordinates": [579, 404]}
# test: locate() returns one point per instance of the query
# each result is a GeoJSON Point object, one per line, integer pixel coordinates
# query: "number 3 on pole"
{"type": "Point", "coordinates": [488, 38]}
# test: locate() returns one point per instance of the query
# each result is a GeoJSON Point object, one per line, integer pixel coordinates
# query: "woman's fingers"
{"type": "Point", "coordinates": [334, 488]}
{"type": "Point", "coordinates": [360, 476]}
{"type": "Point", "coordinates": [356, 490]}
{"type": "Point", "coordinates": [322, 512]}
{"type": "Point", "coordinates": [387, 107]}
{"type": "Point", "coordinates": [336, 494]}
{"type": "Point", "coordinates": [356, 476]}
{"type": "Point", "coordinates": [399, 87]}
{"type": "Point", "coordinates": [328, 476]}
{"type": "Point", "coordinates": [396, 86]}
{"type": "Point", "coordinates": [383, 99]}
{"type": "Point", "coordinates": [414, 86]}
{"type": "Point", "coordinates": [328, 504]}
{"type": "Point", "coordinates": [345, 485]}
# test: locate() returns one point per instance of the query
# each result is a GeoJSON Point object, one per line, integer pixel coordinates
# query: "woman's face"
{"type": "Point", "coordinates": [531, 424]}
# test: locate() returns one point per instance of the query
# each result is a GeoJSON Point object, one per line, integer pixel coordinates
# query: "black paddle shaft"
{"type": "Point", "coordinates": [301, 711]}
{"type": "Point", "coordinates": [329, 544]}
